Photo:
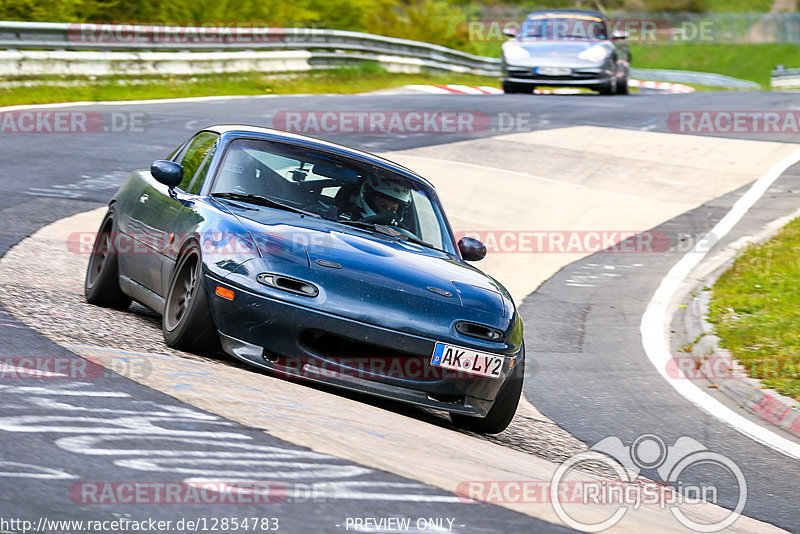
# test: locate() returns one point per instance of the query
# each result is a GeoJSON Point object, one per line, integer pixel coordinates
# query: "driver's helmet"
{"type": "Point", "coordinates": [372, 187]}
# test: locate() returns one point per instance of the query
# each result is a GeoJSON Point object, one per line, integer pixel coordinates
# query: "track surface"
{"type": "Point", "coordinates": [48, 177]}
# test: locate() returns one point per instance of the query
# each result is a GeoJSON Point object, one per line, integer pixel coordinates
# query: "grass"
{"type": "Point", "coordinates": [341, 80]}
{"type": "Point", "coordinates": [755, 309]}
{"type": "Point", "coordinates": [746, 61]}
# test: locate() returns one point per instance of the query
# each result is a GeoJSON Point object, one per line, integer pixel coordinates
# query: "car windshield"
{"type": "Point", "coordinates": [336, 188]}
{"type": "Point", "coordinates": [572, 27]}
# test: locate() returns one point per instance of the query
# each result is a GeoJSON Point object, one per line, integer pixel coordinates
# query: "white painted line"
{"type": "Point", "coordinates": [656, 319]}
{"type": "Point", "coordinates": [135, 102]}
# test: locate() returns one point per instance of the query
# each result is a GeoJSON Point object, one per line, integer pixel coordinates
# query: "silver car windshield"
{"type": "Point", "coordinates": [574, 27]}
{"type": "Point", "coordinates": [336, 188]}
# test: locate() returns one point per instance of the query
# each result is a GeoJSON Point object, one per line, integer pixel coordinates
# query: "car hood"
{"type": "Point", "coordinates": [360, 273]}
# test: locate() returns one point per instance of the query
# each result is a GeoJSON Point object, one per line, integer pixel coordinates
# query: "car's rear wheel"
{"type": "Point", "coordinates": [502, 411]}
{"type": "Point", "coordinates": [187, 322]}
{"type": "Point", "coordinates": [101, 286]}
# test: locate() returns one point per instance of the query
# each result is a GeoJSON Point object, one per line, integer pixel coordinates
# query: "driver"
{"type": "Point", "coordinates": [382, 202]}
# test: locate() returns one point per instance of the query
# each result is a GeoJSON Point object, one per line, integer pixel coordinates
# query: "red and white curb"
{"type": "Point", "coordinates": [454, 89]}
{"type": "Point", "coordinates": [667, 87]}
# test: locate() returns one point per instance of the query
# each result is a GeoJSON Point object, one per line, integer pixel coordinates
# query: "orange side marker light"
{"type": "Point", "coordinates": [224, 293]}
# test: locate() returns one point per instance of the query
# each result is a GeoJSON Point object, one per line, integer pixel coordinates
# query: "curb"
{"type": "Point", "coordinates": [454, 89]}
{"type": "Point", "coordinates": [716, 364]}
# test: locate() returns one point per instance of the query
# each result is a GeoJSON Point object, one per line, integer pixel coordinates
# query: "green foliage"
{"type": "Point", "coordinates": [745, 61]}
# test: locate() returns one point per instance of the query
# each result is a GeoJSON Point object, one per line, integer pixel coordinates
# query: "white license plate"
{"type": "Point", "coordinates": [554, 71]}
{"type": "Point", "coordinates": [467, 360]}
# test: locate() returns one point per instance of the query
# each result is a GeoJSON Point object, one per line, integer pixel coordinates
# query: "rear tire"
{"type": "Point", "coordinates": [502, 411]}
{"type": "Point", "coordinates": [187, 322]}
{"type": "Point", "coordinates": [101, 286]}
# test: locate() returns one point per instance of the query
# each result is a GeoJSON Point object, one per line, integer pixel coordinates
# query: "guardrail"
{"type": "Point", "coordinates": [321, 43]}
{"type": "Point", "coordinates": [43, 48]}
{"type": "Point", "coordinates": [785, 78]}
{"type": "Point", "coordinates": [688, 76]}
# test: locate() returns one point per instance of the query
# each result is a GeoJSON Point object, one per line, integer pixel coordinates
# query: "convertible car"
{"type": "Point", "coordinates": [565, 48]}
{"type": "Point", "coordinates": [314, 261]}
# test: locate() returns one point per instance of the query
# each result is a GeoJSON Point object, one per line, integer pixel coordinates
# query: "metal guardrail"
{"type": "Point", "coordinates": [75, 46]}
{"type": "Point", "coordinates": [700, 78]}
{"type": "Point", "coordinates": [785, 78]}
{"type": "Point", "coordinates": [107, 37]}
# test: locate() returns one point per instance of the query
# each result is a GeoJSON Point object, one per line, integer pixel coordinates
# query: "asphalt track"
{"type": "Point", "coordinates": [593, 379]}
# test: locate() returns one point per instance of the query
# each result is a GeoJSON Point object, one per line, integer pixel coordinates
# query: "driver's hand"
{"type": "Point", "coordinates": [382, 217]}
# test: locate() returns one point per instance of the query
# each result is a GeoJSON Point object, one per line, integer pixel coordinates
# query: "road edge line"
{"type": "Point", "coordinates": [655, 324]}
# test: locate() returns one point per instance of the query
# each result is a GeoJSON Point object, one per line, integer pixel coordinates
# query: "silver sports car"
{"type": "Point", "coordinates": [565, 48]}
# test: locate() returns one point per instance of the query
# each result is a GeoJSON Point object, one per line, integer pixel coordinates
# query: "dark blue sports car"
{"type": "Point", "coordinates": [314, 261]}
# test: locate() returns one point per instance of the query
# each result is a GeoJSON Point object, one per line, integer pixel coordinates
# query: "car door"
{"type": "Point", "coordinates": [155, 212]}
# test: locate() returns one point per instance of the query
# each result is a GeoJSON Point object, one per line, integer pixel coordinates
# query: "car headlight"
{"type": "Point", "coordinates": [595, 53]}
{"type": "Point", "coordinates": [512, 51]}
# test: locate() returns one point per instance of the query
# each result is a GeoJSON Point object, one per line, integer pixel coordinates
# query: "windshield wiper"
{"type": "Point", "coordinates": [263, 201]}
{"type": "Point", "coordinates": [385, 229]}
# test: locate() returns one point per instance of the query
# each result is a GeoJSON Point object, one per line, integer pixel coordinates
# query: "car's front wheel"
{"type": "Point", "coordinates": [502, 411]}
{"type": "Point", "coordinates": [608, 88]}
{"type": "Point", "coordinates": [101, 286]}
{"type": "Point", "coordinates": [512, 88]}
{"type": "Point", "coordinates": [187, 322]}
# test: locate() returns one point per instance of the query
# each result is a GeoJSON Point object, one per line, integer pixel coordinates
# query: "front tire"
{"type": "Point", "coordinates": [609, 88]}
{"type": "Point", "coordinates": [511, 88]}
{"type": "Point", "coordinates": [187, 322]}
{"type": "Point", "coordinates": [622, 86]}
{"type": "Point", "coordinates": [101, 286]}
{"type": "Point", "coordinates": [502, 411]}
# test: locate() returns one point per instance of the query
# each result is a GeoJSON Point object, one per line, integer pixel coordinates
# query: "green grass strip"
{"type": "Point", "coordinates": [755, 309]}
{"type": "Point", "coordinates": [340, 80]}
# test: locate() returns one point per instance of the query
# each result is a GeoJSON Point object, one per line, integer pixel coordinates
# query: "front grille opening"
{"type": "Point", "coordinates": [332, 346]}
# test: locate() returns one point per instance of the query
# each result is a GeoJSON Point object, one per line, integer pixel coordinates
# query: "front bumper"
{"type": "Point", "coordinates": [580, 77]}
{"type": "Point", "coordinates": [300, 342]}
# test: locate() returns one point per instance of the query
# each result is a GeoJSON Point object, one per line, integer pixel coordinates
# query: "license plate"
{"type": "Point", "coordinates": [467, 360]}
{"type": "Point", "coordinates": [554, 71]}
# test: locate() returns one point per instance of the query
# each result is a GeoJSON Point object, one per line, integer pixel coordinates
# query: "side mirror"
{"type": "Point", "coordinates": [471, 249]}
{"type": "Point", "coordinates": [619, 35]}
{"type": "Point", "coordinates": [510, 32]}
{"type": "Point", "coordinates": [168, 173]}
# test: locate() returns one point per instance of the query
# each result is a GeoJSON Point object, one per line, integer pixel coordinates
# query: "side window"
{"type": "Point", "coordinates": [200, 178]}
{"type": "Point", "coordinates": [193, 156]}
